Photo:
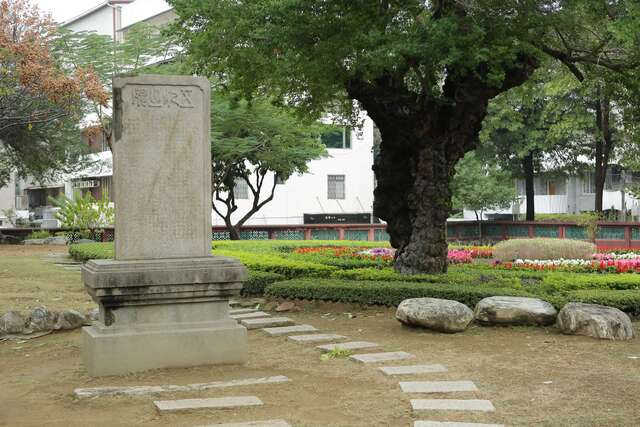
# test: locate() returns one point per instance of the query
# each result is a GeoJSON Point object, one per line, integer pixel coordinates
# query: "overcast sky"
{"type": "Point", "coordinates": [62, 10]}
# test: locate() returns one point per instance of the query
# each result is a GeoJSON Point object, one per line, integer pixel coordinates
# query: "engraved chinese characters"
{"type": "Point", "coordinates": [159, 97]}
{"type": "Point", "coordinates": [162, 168]}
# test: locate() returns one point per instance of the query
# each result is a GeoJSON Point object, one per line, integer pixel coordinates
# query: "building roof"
{"type": "Point", "coordinates": [106, 3]}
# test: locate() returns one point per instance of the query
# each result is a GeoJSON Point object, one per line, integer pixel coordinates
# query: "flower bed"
{"type": "Point", "coordinates": [602, 265]}
{"type": "Point", "coordinates": [456, 255]}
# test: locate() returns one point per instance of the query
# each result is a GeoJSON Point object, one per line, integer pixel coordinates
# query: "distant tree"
{"type": "Point", "coordinates": [257, 144]}
{"type": "Point", "coordinates": [538, 125]}
{"type": "Point", "coordinates": [480, 187]}
{"type": "Point", "coordinates": [40, 100]}
{"type": "Point", "coordinates": [144, 48]}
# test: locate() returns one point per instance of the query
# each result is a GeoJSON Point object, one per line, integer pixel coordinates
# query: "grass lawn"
{"type": "Point", "coordinates": [533, 376]}
{"type": "Point", "coordinates": [26, 281]}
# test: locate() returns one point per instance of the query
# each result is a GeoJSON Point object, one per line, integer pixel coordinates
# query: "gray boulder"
{"type": "Point", "coordinates": [70, 319]}
{"type": "Point", "coordinates": [437, 314]}
{"type": "Point", "coordinates": [41, 319]}
{"type": "Point", "coordinates": [12, 322]}
{"type": "Point", "coordinates": [594, 320]}
{"type": "Point", "coordinates": [92, 315]}
{"type": "Point", "coordinates": [503, 310]}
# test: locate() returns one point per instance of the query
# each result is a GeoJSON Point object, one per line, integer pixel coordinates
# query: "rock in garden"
{"type": "Point", "coordinates": [12, 322]}
{"type": "Point", "coordinates": [92, 315]}
{"type": "Point", "coordinates": [70, 319]}
{"type": "Point", "coordinates": [286, 306]}
{"type": "Point", "coordinates": [594, 320]}
{"type": "Point", "coordinates": [503, 310]}
{"type": "Point", "coordinates": [41, 319]}
{"type": "Point", "coordinates": [438, 314]}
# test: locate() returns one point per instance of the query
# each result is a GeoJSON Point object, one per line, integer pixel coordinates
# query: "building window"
{"type": "Point", "coordinates": [540, 187]}
{"type": "Point", "coordinates": [521, 187]}
{"type": "Point", "coordinates": [241, 189]}
{"type": "Point", "coordinates": [335, 187]}
{"type": "Point", "coordinates": [557, 187]}
{"type": "Point", "coordinates": [589, 183]}
{"type": "Point", "coordinates": [337, 138]}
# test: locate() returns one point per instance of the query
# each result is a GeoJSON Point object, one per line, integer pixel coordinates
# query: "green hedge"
{"type": "Point", "coordinates": [86, 251]}
{"type": "Point", "coordinates": [382, 293]}
{"type": "Point", "coordinates": [277, 264]}
{"type": "Point", "coordinates": [625, 300]}
{"type": "Point", "coordinates": [284, 246]}
{"type": "Point", "coordinates": [258, 281]}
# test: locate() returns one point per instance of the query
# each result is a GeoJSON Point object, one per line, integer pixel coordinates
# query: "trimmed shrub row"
{"type": "Point", "coordinates": [382, 293]}
{"type": "Point", "coordinates": [280, 265]}
{"type": "Point", "coordinates": [86, 251]}
{"type": "Point", "coordinates": [258, 281]}
{"type": "Point", "coordinates": [392, 293]}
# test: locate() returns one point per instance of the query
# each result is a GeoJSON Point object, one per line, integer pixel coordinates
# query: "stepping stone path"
{"type": "Point", "coordinates": [451, 424]}
{"type": "Point", "coordinates": [211, 403]}
{"type": "Point", "coordinates": [251, 315]}
{"type": "Point", "coordinates": [381, 357]}
{"type": "Point", "coordinates": [278, 326]}
{"type": "Point", "coordinates": [437, 386]}
{"type": "Point", "coordinates": [151, 389]}
{"type": "Point", "coordinates": [451, 405]}
{"type": "Point", "coordinates": [266, 322]}
{"type": "Point", "coordinates": [283, 330]}
{"type": "Point", "coordinates": [351, 345]}
{"type": "Point", "coordinates": [412, 369]}
{"type": "Point", "coordinates": [265, 423]}
{"type": "Point", "coordinates": [315, 338]}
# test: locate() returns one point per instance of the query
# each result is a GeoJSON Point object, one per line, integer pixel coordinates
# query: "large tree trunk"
{"type": "Point", "coordinates": [414, 197]}
{"type": "Point", "coordinates": [603, 148]}
{"type": "Point", "coordinates": [422, 140]}
{"type": "Point", "coordinates": [527, 166]}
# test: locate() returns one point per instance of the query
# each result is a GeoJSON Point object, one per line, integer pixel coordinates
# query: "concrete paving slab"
{"type": "Point", "coordinates": [412, 369]}
{"type": "Point", "coordinates": [210, 403]}
{"type": "Point", "coordinates": [451, 405]}
{"type": "Point", "coordinates": [252, 315]}
{"type": "Point", "coordinates": [381, 357]}
{"type": "Point", "coordinates": [266, 322]}
{"type": "Point", "coordinates": [351, 345]}
{"type": "Point", "coordinates": [315, 338]}
{"type": "Point", "coordinates": [156, 389]}
{"type": "Point", "coordinates": [284, 330]}
{"type": "Point", "coordinates": [452, 424]}
{"type": "Point", "coordinates": [437, 386]}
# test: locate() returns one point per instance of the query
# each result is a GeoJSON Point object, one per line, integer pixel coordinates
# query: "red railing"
{"type": "Point", "coordinates": [610, 234]}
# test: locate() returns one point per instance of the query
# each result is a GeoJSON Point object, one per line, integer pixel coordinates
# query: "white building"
{"type": "Point", "coordinates": [337, 185]}
{"type": "Point", "coordinates": [571, 194]}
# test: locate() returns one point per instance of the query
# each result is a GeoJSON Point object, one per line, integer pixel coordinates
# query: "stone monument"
{"type": "Point", "coordinates": [163, 300]}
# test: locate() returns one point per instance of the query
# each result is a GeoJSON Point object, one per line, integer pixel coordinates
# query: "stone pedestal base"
{"type": "Point", "coordinates": [162, 314]}
{"type": "Point", "coordinates": [113, 353]}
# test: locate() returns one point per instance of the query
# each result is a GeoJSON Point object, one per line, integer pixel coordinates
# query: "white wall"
{"type": "Point", "coordinates": [7, 200]}
{"type": "Point", "coordinates": [308, 193]}
{"type": "Point", "coordinates": [100, 21]}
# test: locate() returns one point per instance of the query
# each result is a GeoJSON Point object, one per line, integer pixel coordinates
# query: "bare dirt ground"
{"type": "Point", "coordinates": [533, 376]}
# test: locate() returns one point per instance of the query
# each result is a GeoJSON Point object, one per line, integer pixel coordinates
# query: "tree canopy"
{"type": "Point", "coordinates": [40, 100]}
{"type": "Point", "coordinates": [480, 187]}
{"type": "Point", "coordinates": [423, 71]}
